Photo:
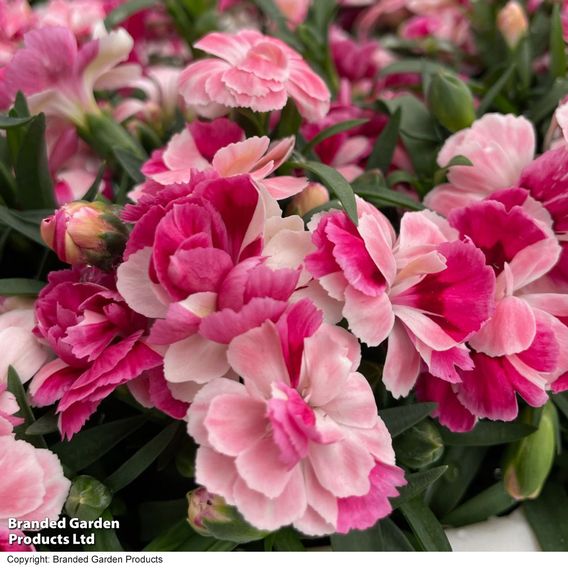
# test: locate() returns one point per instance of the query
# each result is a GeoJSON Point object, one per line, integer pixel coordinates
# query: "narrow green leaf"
{"type": "Point", "coordinates": [335, 182]}
{"type": "Point", "coordinates": [93, 190]}
{"type": "Point", "coordinates": [370, 540]}
{"type": "Point", "coordinates": [385, 145]}
{"type": "Point", "coordinates": [130, 163]}
{"type": "Point", "coordinates": [488, 434]}
{"type": "Point", "coordinates": [548, 517]}
{"type": "Point", "coordinates": [332, 204]}
{"type": "Point", "coordinates": [16, 222]}
{"type": "Point", "coordinates": [463, 464]}
{"type": "Point", "coordinates": [385, 197]}
{"type": "Point", "coordinates": [332, 131]}
{"type": "Point", "coordinates": [558, 62]}
{"type": "Point", "coordinates": [494, 90]}
{"type": "Point", "coordinates": [425, 526]}
{"type": "Point", "coordinates": [401, 418]}
{"type": "Point", "coordinates": [17, 389]}
{"type": "Point", "coordinates": [417, 483]}
{"type": "Point", "coordinates": [20, 287]}
{"type": "Point", "coordinates": [394, 539]}
{"type": "Point", "coordinates": [106, 540]}
{"type": "Point", "coordinates": [124, 11]}
{"type": "Point", "coordinates": [493, 501]}
{"type": "Point", "coordinates": [180, 537]}
{"type": "Point", "coordinates": [141, 460]}
{"type": "Point", "coordinates": [7, 122]}
{"type": "Point", "coordinates": [8, 189]}
{"type": "Point", "coordinates": [46, 424]}
{"type": "Point", "coordinates": [561, 401]}
{"type": "Point", "coordinates": [417, 66]}
{"type": "Point", "coordinates": [35, 188]}
{"type": "Point", "coordinates": [287, 540]}
{"type": "Point", "coordinates": [88, 446]}
{"type": "Point", "coordinates": [543, 107]}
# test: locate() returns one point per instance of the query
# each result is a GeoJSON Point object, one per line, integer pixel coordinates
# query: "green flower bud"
{"type": "Point", "coordinates": [209, 515]}
{"type": "Point", "coordinates": [451, 101]}
{"type": "Point", "coordinates": [530, 460]}
{"type": "Point", "coordinates": [87, 499]}
{"type": "Point", "coordinates": [420, 446]}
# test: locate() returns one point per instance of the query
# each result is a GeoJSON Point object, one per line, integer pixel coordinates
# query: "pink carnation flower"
{"type": "Point", "coordinates": [300, 442]}
{"type": "Point", "coordinates": [499, 146]}
{"type": "Point", "coordinates": [427, 293]}
{"type": "Point", "coordinates": [79, 16]}
{"type": "Point", "coordinates": [206, 264]}
{"type": "Point", "coordinates": [251, 70]}
{"type": "Point", "coordinates": [59, 78]}
{"type": "Point", "coordinates": [7, 546]}
{"type": "Point", "coordinates": [99, 342]}
{"type": "Point", "coordinates": [520, 349]}
{"type": "Point", "coordinates": [255, 156]}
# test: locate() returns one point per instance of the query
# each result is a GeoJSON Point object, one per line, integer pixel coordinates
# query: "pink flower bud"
{"type": "Point", "coordinates": [85, 233]}
{"type": "Point", "coordinates": [315, 195]}
{"type": "Point", "coordinates": [512, 23]}
{"type": "Point", "coordinates": [203, 507]}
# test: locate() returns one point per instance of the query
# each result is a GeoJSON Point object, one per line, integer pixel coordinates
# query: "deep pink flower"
{"type": "Point", "coordinates": [219, 146]}
{"type": "Point", "coordinates": [253, 71]}
{"type": "Point", "coordinates": [499, 146]}
{"type": "Point", "coordinates": [59, 78]}
{"type": "Point", "coordinates": [206, 263]}
{"type": "Point", "coordinates": [7, 546]}
{"type": "Point", "coordinates": [99, 341]}
{"type": "Point", "coordinates": [300, 442]}
{"type": "Point", "coordinates": [427, 294]}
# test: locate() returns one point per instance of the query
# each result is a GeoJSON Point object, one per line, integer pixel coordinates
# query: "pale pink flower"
{"type": "Point", "coordinates": [387, 289]}
{"type": "Point", "coordinates": [300, 442]}
{"type": "Point", "coordinates": [251, 70]}
{"type": "Point", "coordinates": [16, 18]}
{"type": "Point", "coordinates": [32, 484]}
{"type": "Point", "coordinates": [499, 147]}
{"type": "Point", "coordinates": [79, 16]}
{"type": "Point", "coordinates": [21, 349]}
{"type": "Point", "coordinates": [206, 263]}
{"type": "Point", "coordinates": [255, 156]}
{"type": "Point", "coordinates": [8, 408]}
{"type": "Point", "coordinates": [59, 78]}
{"type": "Point", "coordinates": [99, 341]}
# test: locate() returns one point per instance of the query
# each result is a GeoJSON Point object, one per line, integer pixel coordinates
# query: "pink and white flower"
{"type": "Point", "coordinates": [59, 78]}
{"type": "Point", "coordinates": [251, 70]}
{"type": "Point", "coordinates": [499, 147]}
{"type": "Point", "coordinates": [99, 341]}
{"type": "Point", "coordinates": [427, 293]}
{"type": "Point", "coordinates": [300, 442]}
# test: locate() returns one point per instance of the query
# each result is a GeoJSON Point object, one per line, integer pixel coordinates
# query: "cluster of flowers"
{"type": "Point", "coordinates": [223, 309]}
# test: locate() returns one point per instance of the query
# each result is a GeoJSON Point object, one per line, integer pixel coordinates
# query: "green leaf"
{"type": "Point", "coordinates": [557, 45]}
{"type": "Point", "coordinates": [105, 539]}
{"type": "Point", "coordinates": [17, 389]}
{"type": "Point", "coordinates": [543, 107]}
{"type": "Point", "coordinates": [287, 540]}
{"type": "Point", "coordinates": [181, 537]}
{"type": "Point", "coordinates": [20, 287]}
{"type": "Point", "coordinates": [493, 501]}
{"type": "Point", "coordinates": [385, 197]}
{"type": "Point", "coordinates": [394, 539]}
{"type": "Point", "coordinates": [87, 499]}
{"type": "Point", "coordinates": [335, 182]}
{"type": "Point", "coordinates": [124, 11]}
{"type": "Point", "coordinates": [93, 190]}
{"type": "Point", "coordinates": [488, 434]}
{"type": "Point", "coordinates": [425, 526]}
{"type": "Point", "coordinates": [417, 483]}
{"type": "Point", "coordinates": [332, 204]}
{"type": "Point", "coordinates": [385, 145]}
{"type": "Point", "coordinates": [463, 464]}
{"type": "Point", "coordinates": [495, 90]}
{"type": "Point", "coordinates": [332, 131]}
{"type": "Point", "coordinates": [401, 418]}
{"type": "Point", "coordinates": [46, 424]}
{"type": "Point", "coordinates": [88, 446]}
{"type": "Point", "coordinates": [561, 401]}
{"type": "Point", "coordinates": [548, 517]}
{"type": "Point", "coordinates": [19, 224]}
{"type": "Point", "coordinates": [142, 459]}
{"type": "Point", "coordinates": [7, 122]}
{"type": "Point", "coordinates": [35, 189]}
{"type": "Point", "coordinates": [385, 536]}
{"type": "Point", "coordinates": [130, 163]}
{"type": "Point", "coordinates": [414, 66]}
{"type": "Point", "coordinates": [289, 123]}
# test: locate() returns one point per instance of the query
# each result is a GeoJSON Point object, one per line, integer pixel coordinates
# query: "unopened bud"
{"type": "Point", "coordinates": [529, 460]}
{"type": "Point", "coordinates": [209, 515]}
{"type": "Point", "coordinates": [512, 23]}
{"type": "Point", "coordinates": [451, 101]}
{"type": "Point", "coordinates": [85, 233]}
{"type": "Point", "coordinates": [314, 195]}
{"type": "Point", "coordinates": [87, 499]}
{"type": "Point", "coordinates": [420, 446]}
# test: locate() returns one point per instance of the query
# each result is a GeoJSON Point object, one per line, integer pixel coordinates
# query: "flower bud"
{"type": "Point", "coordinates": [529, 460]}
{"type": "Point", "coordinates": [87, 499]}
{"type": "Point", "coordinates": [314, 195]}
{"type": "Point", "coordinates": [209, 515]}
{"type": "Point", "coordinates": [420, 446]}
{"type": "Point", "coordinates": [512, 23]}
{"type": "Point", "coordinates": [85, 233]}
{"type": "Point", "coordinates": [451, 101]}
